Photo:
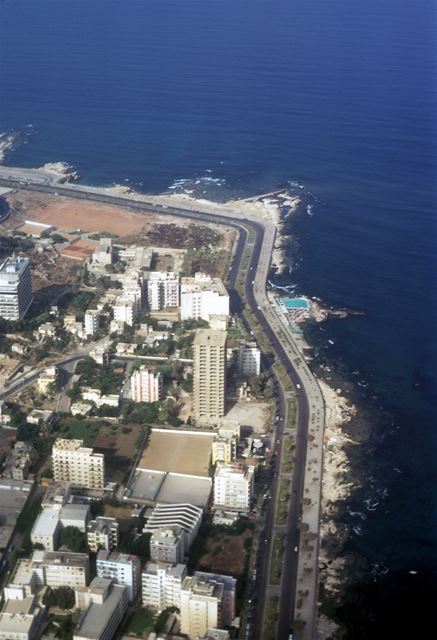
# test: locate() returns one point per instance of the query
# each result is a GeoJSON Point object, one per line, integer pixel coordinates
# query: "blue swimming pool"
{"type": "Point", "coordinates": [295, 303]}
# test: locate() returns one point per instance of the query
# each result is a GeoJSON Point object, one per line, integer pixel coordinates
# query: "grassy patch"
{"type": "Point", "coordinates": [282, 504]}
{"type": "Point", "coordinates": [288, 447]}
{"type": "Point", "coordinates": [140, 622]}
{"type": "Point", "coordinates": [291, 413]}
{"type": "Point", "coordinates": [85, 430]}
{"type": "Point", "coordinates": [276, 559]}
{"type": "Point", "coordinates": [270, 618]}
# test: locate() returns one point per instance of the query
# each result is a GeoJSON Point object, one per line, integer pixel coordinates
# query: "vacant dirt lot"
{"type": "Point", "coordinates": [224, 554]}
{"type": "Point", "coordinates": [119, 440]}
{"type": "Point", "coordinates": [177, 452]}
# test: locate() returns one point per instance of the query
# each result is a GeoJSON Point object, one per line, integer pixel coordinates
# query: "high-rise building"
{"type": "Point", "coordinates": [186, 517]}
{"type": "Point", "coordinates": [168, 545]}
{"type": "Point", "coordinates": [209, 375]}
{"type": "Point", "coordinates": [203, 296]}
{"type": "Point", "coordinates": [77, 464]}
{"type": "Point", "coordinates": [122, 568]}
{"type": "Point", "coordinates": [146, 385]}
{"type": "Point", "coordinates": [249, 359]}
{"type": "Point", "coordinates": [229, 594]}
{"type": "Point", "coordinates": [201, 606]}
{"type": "Point", "coordinates": [233, 486]}
{"type": "Point", "coordinates": [161, 584]}
{"type": "Point", "coordinates": [91, 321]}
{"type": "Point", "coordinates": [162, 290]}
{"type": "Point", "coordinates": [102, 533]}
{"type": "Point", "coordinates": [15, 288]}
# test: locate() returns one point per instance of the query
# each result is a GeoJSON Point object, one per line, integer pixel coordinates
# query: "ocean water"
{"type": "Point", "coordinates": [245, 95]}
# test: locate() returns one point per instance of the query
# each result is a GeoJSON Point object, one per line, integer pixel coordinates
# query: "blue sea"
{"type": "Point", "coordinates": [337, 96]}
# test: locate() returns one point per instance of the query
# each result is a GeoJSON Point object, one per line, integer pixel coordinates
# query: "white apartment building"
{"type": "Point", "coordinates": [229, 594]}
{"type": "Point", "coordinates": [201, 601]}
{"type": "Point", "coordinates": [102, 533]}
{"type": "Point", "coordinates": [15, 288]}
{"type": "Point", "coordinates": [77, 464]}
{"type": "Point", "coordinates": [168, 545]}
{"type": "Point", "coordinates": [164, 516]}
{"type": "Point", "coordinates": [122, 568]}
{"type": "Point", "coordinates": [249, 359]}
{"type": "Point", "coordinates": [233, 487]}
{"type": "Point", "coordinates": [146, 385]}
{"type": "Point", "coordinates": [126, 310]}
{"type": "Point", "coordinates": [91, 321]}
{"type": "Point", "coordinates": [203, 296]}
{"type": "Point", "coordinates": [61, 568]}
{"type": "Point", "coordinates": [162, 290]}
{"type": "Point", "coordinates": [209, 375]}
{"type": "Point", "coordinates": [162, 584]}
{"type": "Point", "coordinates": [53, 569]}
{"type": "Point", "coordinates": [104, 605]}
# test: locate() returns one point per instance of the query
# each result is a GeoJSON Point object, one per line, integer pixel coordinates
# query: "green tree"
{"type": "Point", "coordinates": [73, 539]}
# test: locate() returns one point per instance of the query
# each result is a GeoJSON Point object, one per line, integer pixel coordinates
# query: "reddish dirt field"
{"type": "Point", "coordinates": [78, 250]}
{"type": "Point", "coordinates": [69, 214]}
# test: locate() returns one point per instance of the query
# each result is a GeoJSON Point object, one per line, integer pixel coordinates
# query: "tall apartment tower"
{"type": "Point", "coordinates": [209, 379]}
{"type": "Point", "coordinates": [201, 604]}
{"type": "Point", "coordinates": [15, 288]}
{"type": "Point", "coordinates": [77, 464]}
{"type": "Point", "coordinates": [146, 385]}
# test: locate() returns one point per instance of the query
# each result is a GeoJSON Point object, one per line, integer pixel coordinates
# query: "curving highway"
{"type": "Point", "coordinates": [300, 569]}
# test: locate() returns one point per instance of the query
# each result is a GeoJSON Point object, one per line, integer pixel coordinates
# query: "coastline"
{"type": "Point", "coordinates": [337, 485]}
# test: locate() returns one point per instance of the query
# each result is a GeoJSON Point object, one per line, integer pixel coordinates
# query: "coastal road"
{"type": "Point", "coordinates": [310, 401]}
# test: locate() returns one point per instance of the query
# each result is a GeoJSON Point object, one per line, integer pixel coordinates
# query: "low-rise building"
{"type": "Point", "coordinates": [75, 515]}
{"type": "Point", "coordinates": [40, 416]}
{"type": "Point", "coordinates": [21, 619]}
{"type": "Point", "coordinates": [122, 568]}
{"type": "Point", "coordinates": [105, 604]}
{"type": "Point", "coordinates": [48, 380]}
{"type": "Point", "coordinates": [46, 529]}
{"type": "Point", "coordinates": [45, 330]}
{"type": "Point", "coordinates": [102, 533]}
{"type": "Point", "coordinates": [17, 462]}
{"type": "Point", "coordinates": [81, 408]}
{"type": "Point", "coordinates": [57, 494]}
{"type": "Point", "coordinates": [104, 254]}
{"type": "Point", "coordinates": [162, 584]}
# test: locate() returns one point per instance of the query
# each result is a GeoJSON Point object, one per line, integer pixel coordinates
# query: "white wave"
{"type": "Point", "coordinates": [358, 530]}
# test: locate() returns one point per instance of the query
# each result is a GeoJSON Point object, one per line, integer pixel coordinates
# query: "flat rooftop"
{"type": "Point", "coordinates": [97, 616]}
{"type": "Point", "coordinates": [13, 497]}
{"type": "Point", "coordinates": [178, 452]}
{"type": "Point", "coordinates": [158, 486]}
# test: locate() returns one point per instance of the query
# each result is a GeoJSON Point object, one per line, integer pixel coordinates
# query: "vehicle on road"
{"type": "Point", "coordinates": [298, 386]}
{"type": "Point", "coordinates": [295, 549]}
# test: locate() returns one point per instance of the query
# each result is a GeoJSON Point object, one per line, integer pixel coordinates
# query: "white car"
{"type": "Point", "coordinates": [298, 386]}
{"type": "Point", "coordinates": [295, 549]}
